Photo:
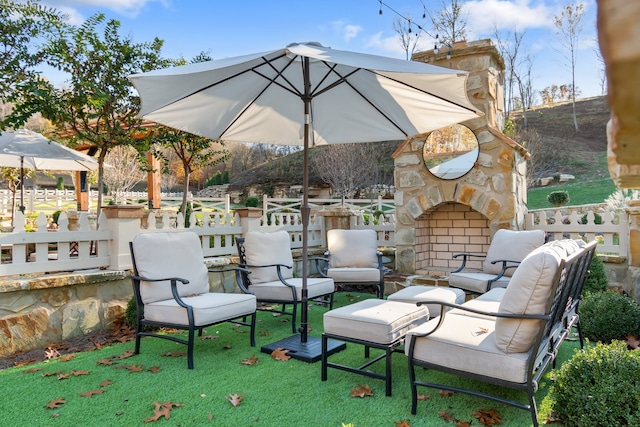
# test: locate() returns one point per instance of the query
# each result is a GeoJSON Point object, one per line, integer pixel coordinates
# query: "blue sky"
{"type": "Point", "coordinates": [226, 28]}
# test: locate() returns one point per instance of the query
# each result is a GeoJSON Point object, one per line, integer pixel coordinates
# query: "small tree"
{"type": "Point", "coordinates": [558, 198]}
{"type": "Point", "coordinates": [450, 23]}
{"type": "Point", "coordinates": [568, 27]}
{"type": "Point", "coordinates": [124, 173]}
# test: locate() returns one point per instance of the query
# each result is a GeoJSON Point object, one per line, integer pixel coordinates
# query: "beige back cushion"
{"type": "Point", "coordinates": [352, 248]}
{"type": "Point", "coordinates": [511, 245]}
{"type": "Point", "coordinates": [267, 249]}
{"type": "Point", "coordinates": [167, 255]}
{"type": "Point", "coordinates": [529, 292]}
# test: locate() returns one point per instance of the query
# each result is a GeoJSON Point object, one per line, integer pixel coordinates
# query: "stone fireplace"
{"type": "Point", "coordinates": [436, 218]}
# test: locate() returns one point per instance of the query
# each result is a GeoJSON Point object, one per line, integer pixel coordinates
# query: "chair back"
{"type": "Point", "coordinates": [352, 248]}
{"type": "Point", "coordinates": [258, 249]}
{"type": "Point", "coordinates": [167, 255]}
{"type": "Point", "coordinates": [511, 245]}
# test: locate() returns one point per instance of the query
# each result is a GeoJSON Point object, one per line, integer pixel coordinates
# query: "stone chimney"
{"type": "Point", "coordinates": [437, 218]}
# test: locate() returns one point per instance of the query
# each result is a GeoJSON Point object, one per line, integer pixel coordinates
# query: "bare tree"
{"type": "Point", "coordinates": [525, 86]}
{"type": "Point", "coordinates": [347, 168]}
{"type": "Point", "coordinates": [125, 171]}
{"type": "Point", "coordinates": [509, 48]}
{"type": "Point", "coordinates": [602, 72]}
{"type": "Point", "coordinates": [569, 27]}
{"type": "Point", "coordinates": [406, 36]}
{"type": "Point", "coordinates": [450, 22]}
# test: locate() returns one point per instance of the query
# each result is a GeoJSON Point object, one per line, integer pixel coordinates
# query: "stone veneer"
{"type": "Point", "coordinates": [437, 218]}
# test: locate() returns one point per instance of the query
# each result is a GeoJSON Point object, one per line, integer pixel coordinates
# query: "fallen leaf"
{"type": "Point", "coordinates": [134, 368]}
{"type": "Point", "coordinates": [264, 333]}
{"type": "Point", "coordinates": [403, 423]}
{"type": "Point", "coordinates": [105, 383]}
{"type": "Point", "coordinates": [154, 369]}
{"type": "Point", "coordinates": [91, 393]}
{"type": "Point", "coordinates": [488, 418]}
{"type": "Point", "coordinates": [209, 337]}
{"type": "Point", "coordinates": [104, 362]}
{"type": "Point", "coordinates": [280, 354]}
{"type": "Point", "coordinates": [51, 353]}
{"type": "Point", "coordinates": [67, 357]}
{"type": "Point", "coordinates": [446, 416]}
{"type": "Point", "coordinates": [162, 410]}
{"type": "Point", "coordinates": [250, 361]}
{"type": "Point", "coordinates": [64, 376]}
{"type": "Point", "coordinates": [481, 331]}
{"type": "Point", "coordinates": [235, 399]}
{"type": "Point", "coordinates": [78, 373]}
{"type": "Point", "coordinates": [170, 354]}
{"type": "Point", "coordinates": [125, 355]}
{"type": "Point", "coordinates": [632, 342]}
{"type": "Point", "coordinates": [361, 391]}
{"type": "Point", "coordinates": [227, 347]}
{"type": "Point", "coordinates": [446, 393]}
{"type": "Point", "coordinates": [463, 423]}
{"type": "Point", "coordinates": [31, 370]}
{"type": "Point", "coordinates": [51, 374]}
{"type": "Point", "coordinates": [210, 416]}
{"type": "Point", "coordinates": [56, 403]}
{"type": "Point", "coordinates": [424, 396]}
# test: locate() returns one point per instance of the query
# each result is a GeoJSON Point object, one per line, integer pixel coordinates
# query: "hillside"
{"type": "Point", "coordinates": [570, 152]}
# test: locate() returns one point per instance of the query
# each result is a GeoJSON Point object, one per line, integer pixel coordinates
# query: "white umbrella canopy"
{"type": "Point", "coordinates": [28, 149]}
{"type": "Point", "coordinates": [25, 148]}
{"type": "Point", "coordinates": [305, 94]}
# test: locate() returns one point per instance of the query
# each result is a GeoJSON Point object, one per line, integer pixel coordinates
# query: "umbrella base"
{"type": "Point", "coordinates": [310, 352]}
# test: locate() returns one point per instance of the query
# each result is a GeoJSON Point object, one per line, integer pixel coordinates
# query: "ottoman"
{"type": "Point", "coordinates": [373, 323]}
{"type": "Point", "coordinates": [413, 294]}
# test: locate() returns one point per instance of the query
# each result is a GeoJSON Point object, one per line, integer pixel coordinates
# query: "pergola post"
{"type": "Point", "coordinates": [153, 182]}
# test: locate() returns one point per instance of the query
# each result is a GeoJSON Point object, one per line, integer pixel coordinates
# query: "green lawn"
{"type": "Point", "coordinates": [275, 393]}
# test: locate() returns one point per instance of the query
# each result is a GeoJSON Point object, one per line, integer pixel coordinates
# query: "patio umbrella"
{"type": "Point", "coordinates": [28, 149]}
{"type": "Point", "coordinates": [305, 94]}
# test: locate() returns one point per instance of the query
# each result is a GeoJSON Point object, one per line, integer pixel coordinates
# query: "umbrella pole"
{"type": "Point", "coordinates": [22, 184]}
{"type": "Point", "coordinates": [301, 347]}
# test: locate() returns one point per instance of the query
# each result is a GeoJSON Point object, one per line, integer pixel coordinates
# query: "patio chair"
{"type": "Point", "coordinates": [171, 289]}
{"type": "Point", "coordinates": [354, 259]}
{"type": "Point", "coordinates": [508, 248]}
{"type": "Point", "coordinates": [268, 257]}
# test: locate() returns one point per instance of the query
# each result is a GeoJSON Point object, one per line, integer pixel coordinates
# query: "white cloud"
{"type": "Point", "coordinates": [351, 31]}
{"type": "Point", "coordinates": [386, 44]}
{"type": "Point", "coordinates": [485, 15]}
{"type": "Point", "coordinates": [130, 8]}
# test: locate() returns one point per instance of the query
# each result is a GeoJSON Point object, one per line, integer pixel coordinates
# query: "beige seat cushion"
{"type": "Point", "coordinates": [278, 291]}
{"type": "Point", "coordinates": [184, 259]}
{"type": "Point", "coordinates": [354, 275]}
{"type": "Point", "coordinates": [476, 281]}
{"type": "Point", "coordinates": [374, 320]}
{"type": "Point", "coordinates": [413, 294]}
{"type": "Point", "coordinates": [512, 245]}
{"type": "Point", "coordinates": [352, 248]}
{"type": "Point", "coordinates": [488, 302]}
{"type": "Point", "coordinates": [529, 292]}
{"type": "Point", "coordinates": [268, 249]}
{"type": "Point", "coordinates": [467, 344]}
{"type": "Point", "coordinates": [208, 308]}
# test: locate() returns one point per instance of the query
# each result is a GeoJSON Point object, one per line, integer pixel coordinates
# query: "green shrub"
{"type": "Point", "coordinates": [558, 198]}
{"type": "Point", "coordinates": [225, 177]}
{"type": "Point", "coordinates": [252, 202]}
{"type": "Point", "coordinates": [608, 316]}
{"type": "Point", "coordinates": [599, 386]}
{"type": "Point", "coordinates": [130, 314]}
{"type": "Point", "coordinates": [55, 216]}
{"type": "Point", "coordinates": [597, 218]}
{"type": "Point", "coordinates": [60, 183]}
{"type": "Point", "coordinates": [597, 280]}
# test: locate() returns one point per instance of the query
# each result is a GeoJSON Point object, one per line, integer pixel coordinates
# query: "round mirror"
{"type": "Point", "coordinates": [451, 151]}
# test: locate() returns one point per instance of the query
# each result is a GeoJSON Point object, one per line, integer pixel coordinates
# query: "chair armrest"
{"type": "Point", "coordinates": [238, 275]}
{"type": "Point", "coordinates": [325, 265]}
{"type": "Point", "coordinates": [545, 317]}
{"type": "Point", "coordinates": [465, 257]}
{"type": "Point", "coordinates": [174, 286]}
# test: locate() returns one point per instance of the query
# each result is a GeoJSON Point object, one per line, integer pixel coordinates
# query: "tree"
{"type": "Point", "coordinates": [98, 105]}
{"type": "Point", "coordinates": [124, 173]}
{"type": "Point", "coordinates": [509, 49]}
{"type": "Point", "coordinates": [193, 151]}
{"type": "Point", "coordinates": [568, 26]}
{"type": "Point", "coordinates": [23, 23]}
{"type": "Point", "coordinates": [450, 23]}
{"type": "Point", "coordinates": [347, 168]}
{"type": "Point", "coordinates": [407, 38]}
{"type": "Point", "coordinates": [525, 87]}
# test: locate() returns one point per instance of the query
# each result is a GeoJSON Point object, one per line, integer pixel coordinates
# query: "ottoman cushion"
{"type": "Point", "coordinates": [374, 320]}
{"type": "Point", "coordinates": [413, 294]}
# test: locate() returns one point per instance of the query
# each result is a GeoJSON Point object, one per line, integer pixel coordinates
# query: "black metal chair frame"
{"type": "Point", "coordinates": [326, 299]}
{"type": "Point", "coordinates": [561, 316]}
{"type": "Point", "coordinates": [379, 284]}
{"type": "Point", "coordinates": [506, 265]}
{"type": "Point", "coordinates": [141, 323]}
